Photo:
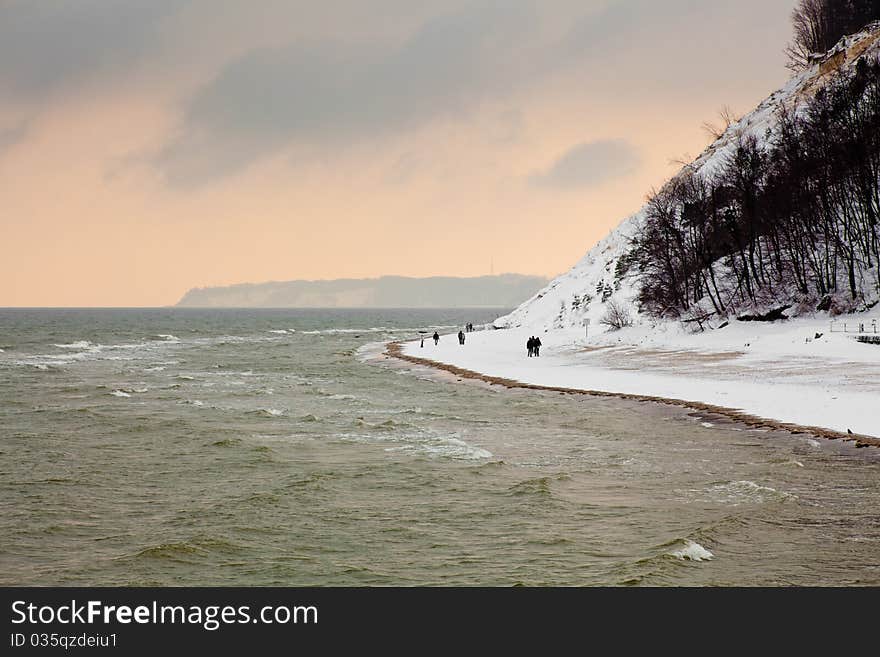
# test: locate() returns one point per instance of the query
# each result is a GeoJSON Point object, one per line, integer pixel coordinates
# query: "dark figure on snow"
{"type": "Point", "coordinates": [436, 338]}
{"type": "Point", "coordinates": [423, 341]}
{"type": "Point", "coordinates": [461, 337]}
{"type": "Point", "coordinates": [537, 346]}
{"type": "Point", "coordinates": [530, 345]}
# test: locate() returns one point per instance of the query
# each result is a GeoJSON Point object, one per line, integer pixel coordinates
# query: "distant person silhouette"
{"type": "Point", "coordinates": [436, 338]}
{"type": "Point", "coordinates": [537, 347]}
{"type": "Point", "coordinates": [530, 346]}
{"type": "Point", "coordinates": [461, 337]}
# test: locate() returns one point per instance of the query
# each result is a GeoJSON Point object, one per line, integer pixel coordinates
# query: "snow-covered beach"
{"type": "Point", "coordinates": [780, 373]}
{"type": "Point", "coordinates": [691, 344]}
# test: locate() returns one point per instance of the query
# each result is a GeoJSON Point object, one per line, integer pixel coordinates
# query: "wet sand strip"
{"type": "Point", "coordinates": [394, 350]}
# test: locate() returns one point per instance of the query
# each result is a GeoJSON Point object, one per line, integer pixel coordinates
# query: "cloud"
{"type": "Point", "coordinates": [9, 137]}
{"type": "Point", "coordinates": [332, 93]}
{"type": "Point", "coordinates": [590, 164]}
{"type": "Point", "coordinates": [50, 44]}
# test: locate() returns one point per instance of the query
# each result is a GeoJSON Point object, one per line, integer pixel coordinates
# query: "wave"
{"type": "Point", "coordinates": [86, 350]}
{"type": "Point", "coordinates": [128, 392]}
{"type": "Point", "coordinates": [744, 491]}
{"type": "Point", "coordinates": [268, 412]}
{"type": "Point", "coordinates": [386, 425]}
{"type": "Point", "coordinates": [691, 551]}
{"type": "Point", "coordinates": [80, 344]}
{"type": "Point", "coordinates": [539, 486]}
{"type": "Point", "coordinates": [183, 550]}
{"type": "Point", "coordinates": [423, 442]}
{"type": "Point", "coordinates": [449, 447]}
{"type": "Point", "coordinates": [376, 329]}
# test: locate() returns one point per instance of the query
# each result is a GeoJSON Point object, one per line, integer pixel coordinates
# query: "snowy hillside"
{"type": "Point", "coordinates": [605, 273]}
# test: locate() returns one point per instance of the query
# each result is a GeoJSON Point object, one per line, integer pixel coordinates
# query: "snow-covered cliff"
{"type": "Point", "coordinates": [604, 274]}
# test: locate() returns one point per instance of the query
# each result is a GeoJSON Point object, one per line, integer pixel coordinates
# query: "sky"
{"type": "Point", "coordinates": [152, 146]}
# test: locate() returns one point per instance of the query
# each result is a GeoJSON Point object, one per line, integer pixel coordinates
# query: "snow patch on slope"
{"type": "Point", "coordinates": [602, 275]}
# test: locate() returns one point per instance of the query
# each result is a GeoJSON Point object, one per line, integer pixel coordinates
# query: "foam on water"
{"type": "Point", "coordinates": [448, 447]}
{"type": "Point", "coordinates": [229, 460]}
{"type": "Point", "coordinates": [79, 344]}
{"type": "Point", "coordinates": [746, 492]}
{"type": "Point", "coordinates": [691, 551]}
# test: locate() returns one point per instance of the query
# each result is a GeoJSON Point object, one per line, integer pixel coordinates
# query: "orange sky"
{"type": "Point", "coordinates": [300, 143]}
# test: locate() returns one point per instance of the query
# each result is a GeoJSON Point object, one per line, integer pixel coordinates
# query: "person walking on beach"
{"type": "Point", "coordinates": [461, 337]}
{"type": "Point", "coordinates": [537, 346]}
{"type": "Point", "coordinates": [436, 338]}
{"type": "Point", "coordinates": [423, 341]}
{"type": "Point", "coordinates": [530, 345]}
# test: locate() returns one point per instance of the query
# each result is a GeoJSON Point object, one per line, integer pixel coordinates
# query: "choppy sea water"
{"type": "Point", "coordinates": [186, 447]}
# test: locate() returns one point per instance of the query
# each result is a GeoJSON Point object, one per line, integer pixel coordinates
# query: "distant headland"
{"type": "Point", "coordinates": [501, 291]}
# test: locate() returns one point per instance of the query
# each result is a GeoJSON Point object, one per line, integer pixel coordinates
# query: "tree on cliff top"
{"type": "Point", "coordinates": [819, 24]}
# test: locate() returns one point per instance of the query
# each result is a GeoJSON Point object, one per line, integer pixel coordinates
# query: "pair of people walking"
{"type": "Point", "coordinates": [533, 345]}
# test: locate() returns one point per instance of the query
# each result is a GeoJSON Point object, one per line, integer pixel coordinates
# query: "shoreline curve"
{"type": "Point", "coordinates": [394, 350]}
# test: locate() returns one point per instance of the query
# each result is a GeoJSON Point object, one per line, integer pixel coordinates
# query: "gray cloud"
{"type": "Point", "coordinates": [621, 19]}
{"type": "Point", "coordinates": [323, 93]}
{"type": "Point", "coordinates": [590, 164]}
{"type": "Point", "coordinates": [367, 70]}
{"type": "Point", "coordinates": [9, 137]}
{"type": "Point", "coordinates": [48, 44]}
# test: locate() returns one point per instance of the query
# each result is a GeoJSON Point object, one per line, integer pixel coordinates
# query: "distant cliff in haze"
{"type": "Point", "coordinates": [505, 290]}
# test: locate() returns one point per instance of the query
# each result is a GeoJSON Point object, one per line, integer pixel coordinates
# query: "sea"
{"type": "Point", "coordinates": [281, 447]}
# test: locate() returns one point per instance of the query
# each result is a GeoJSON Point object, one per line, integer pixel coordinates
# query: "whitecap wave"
{"type": "Point", "coordinates": [746, 492]}
{"type": "Point", "coordinates": [376, 329]}
{"type": "Point", "coordinates": [453, 448]}
{"type": "Point", "coordinates": [691, 551]}
{"type": "Point", "coordinates": [80, 344]}
{"type": "Point", "coordinates": [120, 393]}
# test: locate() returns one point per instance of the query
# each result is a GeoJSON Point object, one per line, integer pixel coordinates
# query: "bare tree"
{"type": "Point", "coordinates": [727, 116]}
{"type": "Point", "coordinates": [616, 316]}
{"type": "Point", "coordinates": [819, 24]}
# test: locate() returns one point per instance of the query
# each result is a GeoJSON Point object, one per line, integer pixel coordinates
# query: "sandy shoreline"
{"type": "Point", "coordinates": [395, 350]}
